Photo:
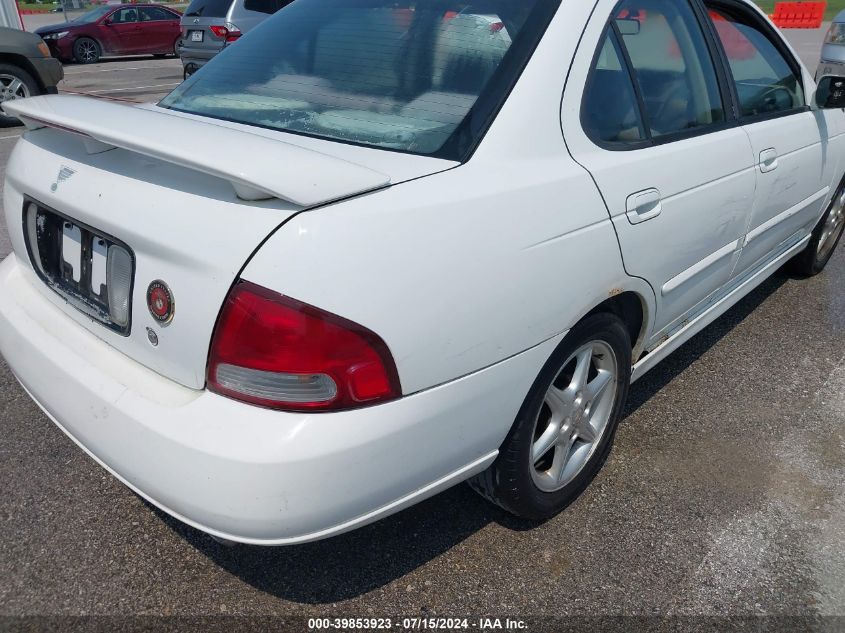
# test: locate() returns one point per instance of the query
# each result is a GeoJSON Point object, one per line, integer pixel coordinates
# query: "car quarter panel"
{"type": "Point", "coordinates": [465, 268]}
{"type": "Point", "coordinates": [456, 271]}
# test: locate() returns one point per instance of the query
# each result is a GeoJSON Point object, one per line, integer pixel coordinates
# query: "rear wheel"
{"type": "Point", "coordinates": [813, 259]}
{"type": "Point", "coordinates": [565, 428]}
{"type": "Point", "coordinates": [86, 51]}
{"type": "Point", "coordinates": [15, 83]}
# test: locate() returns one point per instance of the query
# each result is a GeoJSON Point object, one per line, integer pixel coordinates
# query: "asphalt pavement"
{"type": "Point", "coordinates": [724, 496]}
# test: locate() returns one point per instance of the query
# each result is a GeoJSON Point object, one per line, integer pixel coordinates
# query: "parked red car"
{"type": "Point", "coordinates": [126, 29]}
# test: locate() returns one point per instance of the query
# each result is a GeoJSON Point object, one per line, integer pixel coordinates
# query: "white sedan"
{"type": "Point", "coordinates": [377, 249]}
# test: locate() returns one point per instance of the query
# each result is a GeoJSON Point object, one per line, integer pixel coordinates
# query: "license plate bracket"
{"type": "Point", "coordinates": [71, 258]}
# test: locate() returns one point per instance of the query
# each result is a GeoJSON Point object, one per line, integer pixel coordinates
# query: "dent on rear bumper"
{"type": "Point", "coordinates": [249, 474]}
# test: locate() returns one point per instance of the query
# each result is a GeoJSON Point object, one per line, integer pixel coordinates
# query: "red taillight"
{"type": "Point", "coordinates": [277, 352]}
{"type": "Point", "coordinates": [229, 33]}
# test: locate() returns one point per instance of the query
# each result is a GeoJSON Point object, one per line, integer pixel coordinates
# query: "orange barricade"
{"type": "Point", "coordinates": [799, 15]}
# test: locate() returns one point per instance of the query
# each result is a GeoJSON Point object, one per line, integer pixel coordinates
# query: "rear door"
{"type": "Point", "coordinates": [159, 29]}
{"type": "Point", "coordinates": [793, 177]}
{"type": "Point", "coordinates": [654, 128]}
{"type": "Point", "coordinates": [123, 31]}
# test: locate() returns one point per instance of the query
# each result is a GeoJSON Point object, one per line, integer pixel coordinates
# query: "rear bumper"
{"type": "Point", "coordinates": [244, 473]}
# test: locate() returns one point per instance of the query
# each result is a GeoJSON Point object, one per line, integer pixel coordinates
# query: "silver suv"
{"type": "Point", "coordinates": [208, 26]}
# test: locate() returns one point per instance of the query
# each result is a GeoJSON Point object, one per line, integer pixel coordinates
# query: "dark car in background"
{"type": "Point", "coordinates": [26, 68]}
{"type": "Point", "coordinates": [208, 26]}
{"type": "Point", "coordinates": [126, 29]}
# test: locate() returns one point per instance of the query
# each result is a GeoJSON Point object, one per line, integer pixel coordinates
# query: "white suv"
{"type": "Point", "coordinates": [379, 248]}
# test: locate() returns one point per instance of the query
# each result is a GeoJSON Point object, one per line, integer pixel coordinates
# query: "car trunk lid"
{"type": "Point", "coordinates": [167, 188]}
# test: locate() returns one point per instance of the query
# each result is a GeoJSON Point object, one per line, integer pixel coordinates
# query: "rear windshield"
{"type": "Point", "coordinates": [208, 8]}
{"type": "Point", "coordinates": [415, 76]}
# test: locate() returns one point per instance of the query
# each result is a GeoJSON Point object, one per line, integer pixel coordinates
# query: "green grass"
{"type": "Point", "coordinates": [833, 7]}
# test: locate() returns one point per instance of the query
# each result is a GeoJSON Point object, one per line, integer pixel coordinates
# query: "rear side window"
{"type": "Point", "coordinates": [150, 14]}
{"type": "Point", "coordinates": [420, 77]}
{"type": "Point", "coordinates": [208, 9]}
{"type": "Point", "coordinates": [610, 110]}
{"type": "Point", "coordinates": [765, 81]}
{"type": "Point", "coordinates": [265, 6]}
{"type": "Point", "coordinates": [674, 71]}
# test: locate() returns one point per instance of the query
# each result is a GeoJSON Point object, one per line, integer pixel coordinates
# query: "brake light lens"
{"type": "Point", "coordinates": [276, 352]}
{"type": "Point", "coordinates": [229, 32]}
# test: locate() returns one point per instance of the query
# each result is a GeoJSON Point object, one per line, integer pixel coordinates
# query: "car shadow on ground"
{"type": "Point", "coordinates": [358, 562]}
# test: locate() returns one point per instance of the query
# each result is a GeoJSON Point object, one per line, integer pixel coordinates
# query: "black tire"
{"type": "Point", "coordinates": [86, 51]}
{"type": "Point", "coordinates": [29, 87]}
{"type": "Point", "coordinates": [813, 259]}
{"type": "Point", "coordinates": [509, 482]}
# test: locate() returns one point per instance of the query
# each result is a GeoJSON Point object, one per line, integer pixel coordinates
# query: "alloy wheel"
{"type": "Point", "coordinates": [12, 88]}
{"type": "Point", "coordinates": [833, 226]}
{"type": "Point", "coordinates": [88, 51]}
{"type": "Point", "coordinates": [574, 416]}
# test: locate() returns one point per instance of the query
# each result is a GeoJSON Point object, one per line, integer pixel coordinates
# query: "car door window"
{"type": "Point", "coordinates": [671, 62]}
{"type": "Point", "coordinates": [124, 16]}
{"type": "Point", "coordinates": [610, 113]}
{"type": "Point", "coordinates": [766, 83]}
{"type": "Point", "coordinates": [152, 14]}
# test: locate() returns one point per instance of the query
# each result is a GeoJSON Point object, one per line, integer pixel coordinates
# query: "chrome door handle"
{"type": "Point", "coordinates": [643, 205]}
{"type": "Point", "coordinates": [768, 160]}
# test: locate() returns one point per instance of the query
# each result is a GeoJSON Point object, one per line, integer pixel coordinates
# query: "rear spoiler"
{"type": "Point", "coordinates": [258, 168]}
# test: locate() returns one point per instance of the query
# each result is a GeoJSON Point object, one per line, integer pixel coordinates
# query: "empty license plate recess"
{"type": "Point", "coordinates": [94, 272]}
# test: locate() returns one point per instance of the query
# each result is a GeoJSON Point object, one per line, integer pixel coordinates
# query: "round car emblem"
{"type": "Point", "coordinates": [160, 302]}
